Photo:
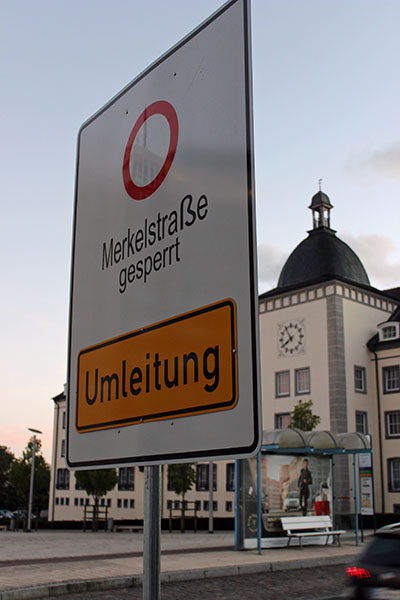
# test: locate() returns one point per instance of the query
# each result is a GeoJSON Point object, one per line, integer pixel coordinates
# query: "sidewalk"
{"type": "Point", "coordinates": [36, 565]}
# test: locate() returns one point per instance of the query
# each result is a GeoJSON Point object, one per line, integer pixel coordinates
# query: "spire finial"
{"type": "Point", "coordinates": [320, 183]}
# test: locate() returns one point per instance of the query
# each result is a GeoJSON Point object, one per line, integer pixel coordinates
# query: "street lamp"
{"type": "Point", "coordinates": [34, 431]}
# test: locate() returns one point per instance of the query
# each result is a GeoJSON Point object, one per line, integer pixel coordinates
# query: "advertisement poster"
{"type": "Point", "coordinates": [366, 488]}
{"type": "Point", "coordinates": [290, 485]}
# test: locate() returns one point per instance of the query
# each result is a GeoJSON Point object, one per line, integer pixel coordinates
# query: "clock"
{"type": "Point", "coordinates": [291, 337]}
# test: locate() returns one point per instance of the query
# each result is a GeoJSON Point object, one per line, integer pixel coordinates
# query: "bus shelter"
{"type": "Point", "coordinates": [267, 485]}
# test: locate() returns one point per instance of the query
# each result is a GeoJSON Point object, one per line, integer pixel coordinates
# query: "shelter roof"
{"type": "Point", "coordinates": [288, 441]}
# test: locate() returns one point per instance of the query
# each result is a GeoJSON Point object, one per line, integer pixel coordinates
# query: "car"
{"type": "Point", "coordinates": [5, 514]}
{"type": "Point", "coordinates": [292, 501]}
{"type": "Point", "coordinates": [375, 573]}
{"type": "Point", "coordinates": [22, 514]}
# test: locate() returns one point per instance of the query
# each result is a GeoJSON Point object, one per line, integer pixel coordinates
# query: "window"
{"type": "Point", "coordinates": [62, 481]}
{"type": "Point", "coordinates": [169, 504]}
{"type": "Point", "coordinates": [63, 420]}
{"type": "Point", "coordinates": [87, 501]}
{"type": "Point", "coordinates": [62, 448]}
{"type": "Point", "coordinates": [228, 506]}
{"type": "Point", "coordinates": [62, 501]}
{"type": "Point", "coordinates": [360, 380]}
{"type": "Point", "coordinates": [119, 503]}
{"type": "Point", "coordinates": [215, 505]}
{"type": "Point", "coordinates": [102, 502]}
{"type": "Point", "coordinates": [82, 501]}
{"type": "Point", "coordinates": [126, 478]}
{"type": "Point", "coordinates": [177, 504]}
{"type": "Point", "coordinates": [67, 501]}
{"type": "Point", "coordinates": [361, 422]}
{"type": "Point", "coordinates": [392, 423]}
{"type": "Point", "coordinates": [206, 505]}
{"type": "Point", "coordinates": [131, 503]}
{"type": "Point", "coordinates": [109, 502]}
{"type": "Point", "coordinates": [125, 502]}
{"type": "Point", "coordinates": [77, 485]}
{"type": "Point", "coordinates": [396, 509]}
{"type": "Point", "coordinates": [388, 332]}
{"type": "Point", "coordinates": [203, 477]}
{"type": "Point", "coordinates": [282, 383]}
{"type": "Point", "coordinates": [394, 474]}
{"type": "Point", "coordinates": [57, 501]}
{"type": "Point", "coordinates": [302, 379]}
{"type": "Point", "coordinates": [282, 420]}
{"type": "Point", "coordinates": [76, 501]}
{"type": "Point", "coordinates": [230, 477]}
{"type": "Point", "coordinates": [391, 379]}
{"type": "Point", "coordinates": [197, 505]}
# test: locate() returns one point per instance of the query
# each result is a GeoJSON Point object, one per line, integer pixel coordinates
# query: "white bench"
{"type": "Point", "coordinates": [130, 528]}
{"type": "Point", "coordinates": [302, 527]}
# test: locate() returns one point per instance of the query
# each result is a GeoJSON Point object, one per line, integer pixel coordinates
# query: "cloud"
{"type": "Point", "coordinates": [385, 162]}
{"type": "Point", "coordinates": [380, 257]}
{"type": "Point", "coordinates": [270, 263]}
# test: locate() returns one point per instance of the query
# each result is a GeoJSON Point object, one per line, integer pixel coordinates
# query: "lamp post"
{"type": "Point", "coordinates": [34, 431]}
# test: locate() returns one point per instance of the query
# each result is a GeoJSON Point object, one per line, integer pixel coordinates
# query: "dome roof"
{"type": "Point", "coordinates": [322, 256]}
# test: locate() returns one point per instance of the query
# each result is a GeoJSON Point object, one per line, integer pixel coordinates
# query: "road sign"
{"type": "Point", "coordinates": [163, 344]}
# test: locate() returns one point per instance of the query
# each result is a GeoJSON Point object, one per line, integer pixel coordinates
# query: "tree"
{"type": "Point", "coordinates": [181, 478]}
{"type": "Point", "coordinates": [97, 483]}
{"type": "Point", "coordinates": [20, 477]}
{"type": "Point", "coordinates": [302, 416]}
{"type": "Point", "coordinates": [7, 493]}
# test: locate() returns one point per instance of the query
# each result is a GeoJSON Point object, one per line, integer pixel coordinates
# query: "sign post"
{"type": "Point", "coordinates": [151, 535]}
{"type": "Point", "coordinates": [163, 328]}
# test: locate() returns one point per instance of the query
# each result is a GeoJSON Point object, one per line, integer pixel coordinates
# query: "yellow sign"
{"type": "Point", "coordinates": [183, 366]}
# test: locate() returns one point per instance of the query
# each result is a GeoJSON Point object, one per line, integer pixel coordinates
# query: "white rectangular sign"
{"type": "Point", "coordinates": [163, 339]}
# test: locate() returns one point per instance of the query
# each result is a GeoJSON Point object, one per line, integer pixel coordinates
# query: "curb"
{"type": "Point", "coordinates": [114, 583]}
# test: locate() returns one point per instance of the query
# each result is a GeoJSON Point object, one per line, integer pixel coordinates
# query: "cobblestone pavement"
{"type": "Point", "coordinates": [301, 584]}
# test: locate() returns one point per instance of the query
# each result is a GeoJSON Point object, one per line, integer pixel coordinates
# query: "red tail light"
{"type": "Point", "coordinates": [358, 573]}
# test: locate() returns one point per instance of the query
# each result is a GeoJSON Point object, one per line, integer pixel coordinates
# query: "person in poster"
{"type": "Point", "coordinates": [304, 481]}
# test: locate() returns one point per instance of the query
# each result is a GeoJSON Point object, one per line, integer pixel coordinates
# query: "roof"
{"type": "Point", "coordinates": [59, 397]}
{"type": "Point", "coordinates": [320, 199]}
{"type": "Point", "coordinates": [310, 442]}
{"type": "Point", "coordinates": [321, 256]}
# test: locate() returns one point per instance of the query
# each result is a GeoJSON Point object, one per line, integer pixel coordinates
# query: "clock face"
{"type": "Point", "coordinates": [291, 338]}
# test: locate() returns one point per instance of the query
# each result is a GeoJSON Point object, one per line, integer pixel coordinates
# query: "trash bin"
{"type": "Point", "coordinates": [321, 507]}
{"type": "Point", "coordinates": [110, 524]}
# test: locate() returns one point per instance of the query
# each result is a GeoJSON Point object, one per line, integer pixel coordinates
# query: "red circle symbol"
{"type": "Point", "coordinates": [161, 107]}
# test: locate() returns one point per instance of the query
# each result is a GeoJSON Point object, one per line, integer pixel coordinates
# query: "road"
{"type": "Point", "coordinates": [301, 584]}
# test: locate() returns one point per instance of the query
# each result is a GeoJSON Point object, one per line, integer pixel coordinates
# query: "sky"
{"type": "Point", "coordinates": [326, 106]}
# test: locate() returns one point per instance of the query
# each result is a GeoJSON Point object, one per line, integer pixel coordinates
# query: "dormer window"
{"type": "Point", "coordinates": [388, 331]}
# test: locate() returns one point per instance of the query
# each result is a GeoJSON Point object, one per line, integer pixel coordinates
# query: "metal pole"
{"type": "Point", "coordinates": [356, 498]}
{"type": "Point", "coordinates": [259, 511]}
{"type": "Point", "coordinates": [237, 511]}
{"type": "Point", "coordinates": [211, 498]}
{"type": "Point", "coordinates": [34, 431]}
{"type": "Point", "coordinates": [31, 485]}
{"type": "Point", "coordinates": [152, 532]}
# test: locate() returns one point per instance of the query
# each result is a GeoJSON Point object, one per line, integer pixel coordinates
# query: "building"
{"type": "Point", "coordinates": [314, 330]}
{"type": "Point", "coordinates": [326, 334]}
{"type": "Point", "coordinates": [125, 501]}
{"type": "Point", "coordinates": [384, 347]}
